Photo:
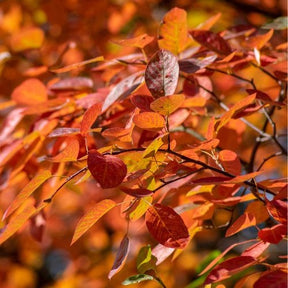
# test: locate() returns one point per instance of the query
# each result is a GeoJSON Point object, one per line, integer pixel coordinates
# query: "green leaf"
{"type": "Point", "coordinates": [280, 23]}
{"type": "Point", "coordinates": [145, 260]}
{"type": "Point", "coordinates": [137, 279]}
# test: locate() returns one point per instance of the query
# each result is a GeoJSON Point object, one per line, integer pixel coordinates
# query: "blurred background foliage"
{"type": "Point", "coordinates": [73, 31]}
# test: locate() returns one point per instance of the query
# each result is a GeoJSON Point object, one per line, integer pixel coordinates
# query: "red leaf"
{"type": "Point", "coordinates": [138, 193]}
{"type": "Point", "coordinates": [274, 279]}
{"type": "Point", "coordinates": [192, 65]}
{"type": "Point", "coordinates": [142, 102]}
{"type": "Point", "coordinates": [256, 249]}
{"type": "Point", "coordinates": [30, 92]}
{"type": "Point", "coordinates": [108, 170]}
{"type": "Point", "coordinates": [274, 234]}
{"type": "Point", "coordinates": [149, 121]}
{"type": "Point", "coordinates": [211, 41]}
{"type": "Point", "coordinates": [278, 209]}
{"type": "Point", "coordinates": [120, 256]}
{"type": "Point", "coordinates": [244, 221]}
{"type": "Point", "coordinates": [89, 118]}
{"type": "Point", "coordinates": [229, 267]}
{"type": "Point", "coordinates": [122, 89]}
{"type": "Point", "coordinates": [166, 226]}
{"type": "Point", "coordinates": [230, 161]}
{"type": "Point", "coordinates": [162, 72]}
{"type": "Point", "coordinates": [92, 215]}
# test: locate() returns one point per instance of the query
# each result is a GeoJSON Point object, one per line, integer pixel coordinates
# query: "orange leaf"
{"type": "Point", "coordinates": [27, 38]}
{"type": "Point", "coordinates": [30, 92]}
{"type": "Point", "coordinates": [244, 221]}
{"type": "Point", "coordinates": [229, 267]}
{"type": "Point", "coordinates": [166, 226]}
{"type": "Point", "coordinates": [89, 118]}
{"type": "Point", "coordinates": [259, 41]}
{"type": "Point", "coordinates": [174, 31]}
{"type": "Point", "coordinates": [37, 181]}
{"type": "Point", "coordinates": [241, 105]}
{"type": "Point", "coordinates": [278, 209]}
{"type": "Point", "coordinates": [139, 42]}
{"type": "Point", "coordinates": [230, 161]}
{"type": "Point", "coordinates": [259, 211]}
{"type": "Point", "coordinates": [149, 121]}
{"type": "Point", "coordinates": [108, 170]}
{"type": "Point", "coordinates": [91, 216]}
{"type": "Point", "coordinates": [70, 152]}
{"type": "Point", "coordinates": [120, 256]}
{"type": "Point", "coordinates": [18, 220]}
{"type": "Point", "coordinates": [168, 104]}
{"type": "Point", "coordinates": [77, 65]}
{"type": "Point", "coordinates": [207, 25]}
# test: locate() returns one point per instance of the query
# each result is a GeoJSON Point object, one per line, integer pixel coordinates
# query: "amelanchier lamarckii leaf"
{"type": "Point", "coordinates": [166, 226]}
{"type": "Point", "coordinates": [162, 72]}
{"type": "Point", "coordinates": [108, 170]}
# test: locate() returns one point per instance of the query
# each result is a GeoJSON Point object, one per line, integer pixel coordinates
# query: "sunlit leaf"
{"type": "Point", "coordinates": [137, 279]}
{"type": "Point", "coordinates": [35, 183]}
{"type": "Point", "coordinates": [30, 92]}
{"type": "Point", "coordinates": [168, 104]}
{"type": "Point", "coordinates": [154, 146]}
{"type": "Point", "coordinates": [145, 260]}
{"type": "Point", "coordinates": [209, 23]}
{"type": "Point", "coordinates": [274, 234]}
{"type": "Point", "coordinates": [70, 152]}
{"type": "Point", "coordinates": [149, 121]}
{"type": "Point", "coordinates": [211, 41]}
{"type": "Point", "coordinates": [123, 89]}
{"type": "Point", "coordinates": [141, 208]}
{"type": "Point", "coordinates": [229, 267]}
{"type": "Point", "coordinates": [173, 34]}
{"type": "Point", "coordinates": [91, 216]}
{"type": "Point", "coordinates": [89, 117]}
{"type": "Point", "coordinates": [120, 257]}
{"type": "Point", "coordinates": [27, 38]}
{"type": "Point", "coordinates": [244, 221]}
{"type": "Point", "coordinates": [162, 72]}
{"type": "Point", "coordinates": [230, 161]}
{"type": "Point", "coordinates": [166, 226]}
{"type": "Point", "coordinates": [108, 170]}
{"type": "Point", "coordinates": [259, 211]}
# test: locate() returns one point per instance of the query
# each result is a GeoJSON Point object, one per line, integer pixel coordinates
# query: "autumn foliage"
{"type": "Point", "coordinates": [169, 142]}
